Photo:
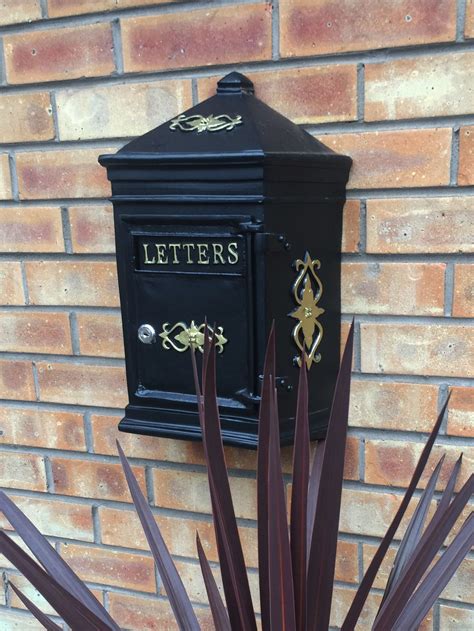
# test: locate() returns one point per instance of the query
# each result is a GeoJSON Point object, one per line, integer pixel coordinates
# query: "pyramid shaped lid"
{"type": "Point", "coordinates": [233, 124]}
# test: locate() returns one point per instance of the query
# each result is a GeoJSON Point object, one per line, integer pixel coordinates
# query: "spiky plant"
{"type": "Point", "coordinates": [296, 562]}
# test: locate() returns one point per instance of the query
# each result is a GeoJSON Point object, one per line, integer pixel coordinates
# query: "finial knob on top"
{"type": "Point", "coordinates": [235, 83]}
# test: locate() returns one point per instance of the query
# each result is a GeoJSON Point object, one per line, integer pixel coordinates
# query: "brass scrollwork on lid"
{"type": "Point", "coordinates": [191, 336]}
{"type": "Point", "coordinates": [307, 291]}
{"type": "Point", "coordinates": [199, 123]}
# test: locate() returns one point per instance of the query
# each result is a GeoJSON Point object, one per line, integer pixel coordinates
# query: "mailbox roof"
{"type": "Point", "coordinates": [232, 125]}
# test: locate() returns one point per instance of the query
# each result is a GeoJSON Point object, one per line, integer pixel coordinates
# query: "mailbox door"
{"type": "Point", "coordinates": [186, 271]}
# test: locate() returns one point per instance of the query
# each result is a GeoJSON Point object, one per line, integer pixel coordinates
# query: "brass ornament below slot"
{"type": "Point", "coordinates": [308, 333]}
{"type": "Point", "coordinates": [191, 336]}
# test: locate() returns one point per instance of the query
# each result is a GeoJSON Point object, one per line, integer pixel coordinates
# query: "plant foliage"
{"type": "Point", "coordinates": [296, 560]}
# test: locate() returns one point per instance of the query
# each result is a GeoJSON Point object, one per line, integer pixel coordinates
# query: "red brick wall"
{"type": "Point", "coordinates": [389, 83]}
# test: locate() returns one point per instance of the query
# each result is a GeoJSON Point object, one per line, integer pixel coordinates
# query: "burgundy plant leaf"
{"type": "Point", "coordinates": [313, 490]}
{"type": "Point", "coordinates": [424, 553]}
{"type": "Point", "coordinates": [322, 554]}
{"type": "Point", "coordinates": [172, 582]}
{"type": "Point", "coordinates": [415, 528]}
{"type": "Point", "coordinates": [299, 499]}
{"type": "Point", "coordinates": [218, 610]}
{"type": "Point", "coordinates": [52, 561]}
{"type": "Point", "coordinates": [262, 478]}
{"type": "Point", "coordinates": [71, 610]}
{"type": "Point", "coordinates": [234, 576]}
{"type": "Point", "coordinates": [38, 614]}
{"type": "Point", "coordinates": [447, 495]}
{"type": "Point", "coordinates": [361, 595]}
{"type": "Point", "coordinates": [437, 578]}
{"type": "Point", "coordinates": [282, 600]}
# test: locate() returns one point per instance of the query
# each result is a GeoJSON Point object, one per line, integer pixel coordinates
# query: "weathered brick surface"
{"type": "Point", "coordinates": [466, 156]}
{"type": "Point", "coordinates": [455, 617]}
{"type": "Point", "coordinates": [100, 335]}
{"type": "Point", "coordinates": [469, 23]}
{"type": "Point", "coordinates": [420, 225]}
{"type": "Point", "coordinates": [92, 229]}
{"type": "Point", "coordinates": [30, 592]}
{"type": "Point", "coordinates": [460, 410]}
{"type": "Point", "coordinates": [68, 283]}
{"type": "Point", "coordinates": [82, 384]}
{"type": "Point", "coordinates": [351, 226]}
{"type": "Point", "coordinates": [463, 303]}
{"type": "Point", "coordinates": [391, 159]}
{"type": "Point", "coordinates": [111, 112]}
{"type": "Point", "coordinates": [61, 174]}
{"type": "Point", "coordinates": [305, 95]}
{"type": "Point", "coordinates": [393, 405]}
{"type": "Point", "coordinates": [5, 180]}
{"type": "Point", "coordinates": [121, 569]}
{"type": "Point", "coordinates": [60, 8]}
{"type": "Point", "coordinates": [16, 380]}
{"type": "Point", "coordinates": [417, 349]}
{"type": "Point", "coordinates": [86, 478]}
{"type": "Point", "coordinates": [225, 35]}
{"type": "Point", "coordinates": [59, 54]}
{"type": "Point", "coordinates": [36, 229]}
{"type": "Point", "coordinates": [25, 118]}
{"type": "Point", "coordinates": [19, 621]}
{"type": "Point", "coordinates": [397, 288]}
{"type": "Point", "coordinates": [331, 27]}
{"type": "Point", "coordinates": [42, 428]}
{"type": "Point", "coordinates": [11, 284]}
{"type": "Point", "coordinates": [22, 471]}
{"type": "Point", "coordinates": [17, 11]}
{"type": "Point", "coordinates": [23, 332]}
{"type": "Point", "coordinates": [435, 85]}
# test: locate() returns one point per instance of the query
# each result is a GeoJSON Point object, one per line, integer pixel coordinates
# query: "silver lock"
{"type": "Point", "coordinates": [146, 334]}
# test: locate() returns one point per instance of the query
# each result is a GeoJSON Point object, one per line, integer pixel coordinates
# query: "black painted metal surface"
{"type": "Point", "coordinates": [212, 212]}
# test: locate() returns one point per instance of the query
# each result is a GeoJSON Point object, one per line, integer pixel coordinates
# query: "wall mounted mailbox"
{"type": "Point", "coordinates": [228, 212]}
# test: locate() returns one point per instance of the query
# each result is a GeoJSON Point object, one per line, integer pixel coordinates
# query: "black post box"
{"type": "Point", "coordinates": [230, 213]}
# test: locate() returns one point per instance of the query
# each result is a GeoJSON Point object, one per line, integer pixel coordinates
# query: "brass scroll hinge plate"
{"type": "Point", "coordinates": [199, 123]}
{"type": "Point", "coordinates": [180, 336]}
{"type": "Point", "coordinates": [307, 292]}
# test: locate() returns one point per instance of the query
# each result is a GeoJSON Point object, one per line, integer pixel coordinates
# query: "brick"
{"type": "Point", "coordinates": [16, 380]}
{"type": "Point", "coordinates": [30, 592]}
{"type": "Point", "coordinates": [109, 567]}
{"type": "Point", "coordinates": [55, 518]}
{"type": "Point", "coordinates": [59, 54]}
{"type": "Point", "coordinates": [469, 23]}
{"type": "Point", "coordinates": [455, 617]}
{"type": "Point", "coordinates": [393, 405]}
{"type": "Point", "coordinates": [466, 156]}
{"type": "Point", "coordinates": [347, 562]}
{"type": "Point", "coordinates": [420, 225]}
{"type": "Point", "coordinates": [65, 173]}
{"type": "Point", "coordinates": [392, 462]}
{"type": "Point", "coordinates": [87, 478]}
{"type": "Point", "coordinates": [351, 226]}
{"type": "Point", "coordinates": [60, 8]}
{"type": "Point", "coordinates": [463, 304]}
{"type": "Point", "coordinates": [42, 428]}
{"type": "Point", "coordinates": [18, 621]}
{"type": "Point", "coordinates": [22, 471]}
{"type": "Point", "coordinates": [392, 159]}
{"type": "Point", "coordinates": [86, 283]}
{"type": "Point", "coordinates": [342, 600]}
{"type": "Point", "coordinates": [460, 412]}
{"type": "Point", "coordinates": [169, 41]}
{"type": "Point", "coordinates": [393, 288]}
{"type": "Point", "coordinates": [111, 112]}
{"type": "Point", "coordinates": [26, 332]}
{"type": "Point", "coordinates": [438, 85]}
{"type": "Point", "coordinates": [82, 384]}
{"type": "Point", "coordinates": [416, 349]}
{"type": "Point", "coordinates": [11, 283]}
{"type": "Point", "coordinates": [18, 11]}
{"type": "Point", "coordinates": [327, 27]}
{"type": "Point", "coordinates": [305, 95]}
{"type": "Point", "coordinates": [35, 229]}
{"type": "Point", "coordinates": [351, 462]}
{"type": "Point", "coordinates": [5, 181]}
{"type": "Point", "coordinates": [150, 614]}
{"type": "Point", "coordinates": [26, 117]}
{"type": "Point", "coordinates": [92, 229]}
{"type": "Point", "coordinates": [185, 490]}
{"type": "Point", "coordinates": [100, 334]}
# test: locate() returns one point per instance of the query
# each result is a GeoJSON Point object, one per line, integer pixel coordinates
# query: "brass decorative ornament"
{"type": "Point", "coordinates": [191, 336]}
{"type": "Point", "coordinates": [307, 291]}
{"type": "Point", "coordinates": [199, 123]}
